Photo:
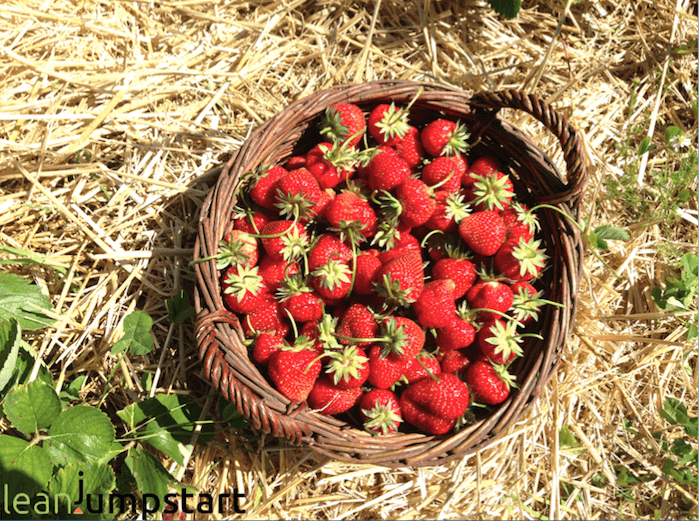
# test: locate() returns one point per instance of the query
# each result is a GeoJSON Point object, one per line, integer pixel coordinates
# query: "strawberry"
{"type": "Point", "coordinates": [243, 289]}
{"type": "Point", "coordinates": [295, 162]}
{"type": "Point", "coordinates": [404, 243]}
{"type": "Point", "coordinates": [421, 366]}
{"type": "Point", "coordinates": [490, 384]}
{"type": "Point", "coordinates": [459, 333]}
{"type": "Point", "coordinates": [461, 164]}
{"type": "Point", "coordinates": [379, 410]}
{"type": "Point", "coordinates": [348, 368]}
{"type": "Point", "coordinates": [402, 337]}
{"type": "Point", "coordinates": [498, 341]}
{"type": "Point", "coordinates": [450, 211]}
{"type": "Point", "coordinates": [442, 173]}
{"type": "Point", "coordinates": [493, 191]}
{"type": "Point", "coordinates": [327, 246]}
{"type": "Point", "coordinates": [384, 371]}
{"type": "Point", "coordinates": [332, 163]}
{"type": "Point", "coordinates": [483, 166]}
{"type": "Point", "coordinates": [352, 215]}
{"type": "Point", "coordinates": [333, 280]}
{"type": "Point", "coordinates": [520, 221]}
{"type": "Point", "coordinates": [410, 148]}
{"type": "Point", "coordinates": [417, 202]}
{"type": "Point", "coordinates": [359, 324]}
{"type": "Point", "coordinates": [266, 344]}
{"type": "Point", "coordinates": [388, 124]}
{"type": "Point", "coordinates": [461, 271]}
{"type": "Point", "coordinates": [521, 260]}
{"type": "Point", "coordinates": [298, 193]}
{"type": "Point", "coordinates": [483, 232]}
{"type": "Point", "coordinates": [327, 398]}
{"type": "Point", "coordinates": [264, 190]}
{"type": "Point", "coordinates": [444, 137]}
{"type": "Point", "coordinates": [286, 240]}
{"type": "Point", "coordinates": [235, 249]}
{"type": "Point", "coordinates": [294, 370]}
{"type": "Point", "coordinates": [436, 305]}
{"type": "Point", "coordinates": [490, 297]}
{"type": "Point", "coordinates": [431, 399]}
{"type": "Point", "coordinates": [265, 318]}
{"type": "Point", "coordinates": [455, 362]}
{"type": "Point", "coordinates": [400, 281]}
{"type": "Point", "coordinates": [298, 301]}
{"type": "Point", "coordinates": [343, 122]}
{"type": "Point", "coordinates": [251, 222]}
{"type": "Point", "coordinates": [526, 302]}
{"type": "Point", "coordinates": [366, 266]}
{"type": "Point", "coordinates": [387, 171]}
{"type": "Point", "coordinates": [273, 271]}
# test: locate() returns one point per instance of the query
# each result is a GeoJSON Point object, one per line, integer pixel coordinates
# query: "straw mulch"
{"type": "Point", "coordinates": [114, 119]}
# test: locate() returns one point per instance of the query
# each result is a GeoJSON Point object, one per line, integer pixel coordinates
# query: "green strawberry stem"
{"type": "Point", "coordinates": [445, 180]}
{"type": "Point", "coordinates": [424, 240]}
{"type": "Point", "coordinates": [429, 373]}
{"type": "Point", "coordinates": [503, 315]}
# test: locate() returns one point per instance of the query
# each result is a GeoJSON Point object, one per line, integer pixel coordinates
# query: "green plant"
{"type": "Point", "coordinates": [506, 8]}
{"type": "Point", "coordinates": [60, 456]}
{"type": "Point", "coordinates": [680, 293]}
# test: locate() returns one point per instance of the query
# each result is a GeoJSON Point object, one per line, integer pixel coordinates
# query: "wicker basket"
{"type": "Point", "coordinates": [291, 132]}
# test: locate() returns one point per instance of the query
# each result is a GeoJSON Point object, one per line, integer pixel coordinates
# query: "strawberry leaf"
{"type": "Point", "coordinates": [506, 8]}
{"type": "Point", "coordinates": [23, 301]}
{"type": "Point", "coordinates": [10, 334]}
{"type": "Point", "coordinates": [32, 407]}
{"type": "Point", "coordinates": [26, 468]}
{"type": "Point", "coordinates": [137, 336]}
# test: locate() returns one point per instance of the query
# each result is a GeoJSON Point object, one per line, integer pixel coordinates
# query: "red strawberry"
{"type": "Point", "coordinates": [264, 191]}
{"type": "Point", "coordinates": [327, 246]}
{"type": "Point", "coordinates": [380, 411]}
{"type": "Point", "coordinates": [498, 341]}
{"type": "Point", "coordinates": [265, 318]}
{"type": "Point", "coordinates": [266, 344]}
{"type": "Point", "coordinates": [410, 148]}
{"type": "Point", "coordinates": [388, 124]}
{"type": "Point", "coordinates": [403, 338]}
{"type": "Point", "coordinates": [459, 333]}
{"type": "Point", "coordinates": [352, 215]}
{"type": "Point", "coordinates": [454, 362]}
{"type": "Point", "coordinates": [358, 322]}
{"type": "Point", "coordinates": [491, 192]}
{"type": "Point", "coordinates": [417, 202]}
{"type": "Point", "coordinates": [333, 280]}
{"type": "Point", "coordinates": [294, 371]}
{"type": "Point", "coordinates": [489, 384]}
{"type": "Point", "coordinates": [348, 368]}
{"type": "Point", "coordinates": [520, 221]}
{"type": "Point", "coordinates": [273, 271]}
{"type": "Point", "coordinates": [484, 232]}
{"type": "Point", "coordinates": [484, 165]}
{"type": "Point", "coordinates": [521, 260]}
{"type": "Point", "coordinates": [401, 280]}
{"type": "Point", "coordinates": [450, 211]}
{"type": "Point", "coordinates": [405, 243]}
{"type": "Point", "coordinates": [490, 295]}
{"type": "Point", "coordinates": [421, 366]}
{"type": "Point", "coordinates": [297, 195]}
{"type": "Point", "coordinates": [384, 371]}
{"type": "Point", "coordinates": [461, 164]}
{"type": "Point", "coordinates": [444, 137]}
{"type": "Point", "coordinates": [436, 305]}
{"type": "Point", "coordinates": [344, 122]}
{"type": "Point", "coordinates": [252, 222]}
{"type": "Point", "coordinates": [327, 398]}
{"type": "Point", "coordinates": [526, 302]}
{"type": "Point", "coordinates": [235, 249]}
{"type": "Point", "coordinates": [295, 162]}
{"type": "Point", "coordinates": [332, 163]}
{"type": "Point", "coordinates": [422, 418]}
{"type": "Point", "coordinates": [298, 301]}
{"type": "Point", "coordinates": [461, 271]}
{"type": "Point", "coordinates": [387, 171]}
{"type": "Point", "coordinates": [366, 266]}
{"type": "Point", "coordinates": [286, 240]}
{"type": "Point", "coordinates": [243, 289]}
{"type": "Point", "coordinates": [434, 404]}
{"type": "Point", "coordinates": [442, 173]}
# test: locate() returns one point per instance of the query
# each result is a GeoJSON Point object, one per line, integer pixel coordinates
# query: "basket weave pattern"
{"type": "Point", "coordinates": [226, 360]}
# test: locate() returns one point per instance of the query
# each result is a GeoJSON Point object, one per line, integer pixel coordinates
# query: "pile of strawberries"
{"type": "Point", "coordinates": [385, 273]}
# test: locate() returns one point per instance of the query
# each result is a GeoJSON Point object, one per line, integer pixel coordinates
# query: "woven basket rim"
{"type": "Point", "coordinates": [225, 358]}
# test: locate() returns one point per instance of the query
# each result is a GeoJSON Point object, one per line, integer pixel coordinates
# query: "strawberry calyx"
{"type": "Point", "coordinates": [505, 339]}
{"type": "Point", "coordinates": [492, 191]}
{"type": "Point", "coordinates": [393, 293]}
{"type": "Point", "coordinates": [526, 216]}
{"type": "Point", "coordinates": [381, 419]}
{"type": "Point", "coordinates": [394, 123]}
{"type": "Point", "coordinates": [244, 280]}
{"type": "Point", "coordinates": [456, 208]}
{"type": "Point", "coordinates": [395, 338]}
{"type": "Point", "coordinates": [346, 364]}
{"type": "Point", "coordinates": [530, 256]}
{"type": "Point", "coordinates": [458, 142]}
{"type": "Point", "coordinates": [508, 379]}
{"type": "Point", "coordinates": [292, 285]}
{"type": "Point", "coordinates": [237, 248]}
{"type": "Point", "coordinates": [333, 274]}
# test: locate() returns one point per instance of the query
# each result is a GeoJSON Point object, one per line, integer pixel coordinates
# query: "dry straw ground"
{"type": "Point", "coordinates": [115, 114]}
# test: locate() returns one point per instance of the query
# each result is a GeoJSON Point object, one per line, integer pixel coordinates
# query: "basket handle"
{"type": "Point", "coordinates": [567, 136]}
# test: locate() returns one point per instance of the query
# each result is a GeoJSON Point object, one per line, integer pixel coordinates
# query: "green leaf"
{"type": "Point", "coordinates": [24, 364]}
{"type": "Point", "coordinates": [137, 336]}
{"type": "Point", "coordinates": [671, 132]}
{"type": "Point", "coordinates": [611, 232]}
{"type": "Point", "coordinates": [674, 411]}
{"type": "Point", "coordinates": [230, 414]}
{"type": "Point", "coordinates": [24, 467]}
{"type": "Point", "coordinates": [150, 475]}
{"type": "Point", "coordinates": [171, 421]}
{"type": "Point", "coordinates": [506, 8]}
{"type": "Point", "coordinates": [179, 308]}
{"type": "Point", "coordinates": [23, 301]}
{"type": "Point", "coordinates": [71, 390]}
{"type": "Point", "coordinates": [645, 146]}
{"type": "Point", "coordinates": [10, 336]}
{"type": "Point", "coordinates": [568, 441]}
{"type": "Point", "coordinates": [96, 479]}
{"type": "Point", "coordinates": [82, 434]}
{"type": "Point", "coordinates": [32, 407]}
